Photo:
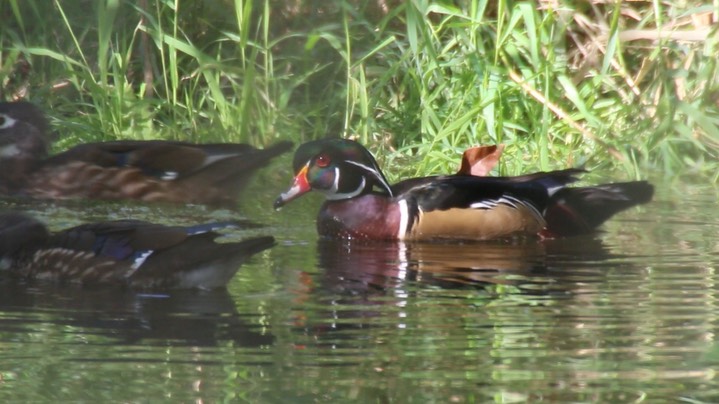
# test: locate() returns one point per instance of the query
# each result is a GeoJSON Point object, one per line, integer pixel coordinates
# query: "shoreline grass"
{"type": "Point", "coordinates": [608, 85]}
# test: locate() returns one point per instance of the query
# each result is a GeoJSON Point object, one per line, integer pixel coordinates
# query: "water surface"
{"type": "Point", "coordinates": [628, 315]}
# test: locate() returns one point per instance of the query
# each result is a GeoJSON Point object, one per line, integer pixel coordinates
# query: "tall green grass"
{"type": "Point", "coordinates": [613, 85]}
{"type": "Point", "coordinates": [557, 92]}
{"type": "Point", "coordinates": [155, 69]}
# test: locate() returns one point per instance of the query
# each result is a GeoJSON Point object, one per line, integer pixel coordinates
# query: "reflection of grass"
{"type": "Point", "coordinates": [607, 85]}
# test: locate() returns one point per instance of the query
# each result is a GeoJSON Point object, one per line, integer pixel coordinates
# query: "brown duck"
{"type": "Point", "coordinates": [212, 174]}
{"type": "Point", "coordinates": [126, 253]}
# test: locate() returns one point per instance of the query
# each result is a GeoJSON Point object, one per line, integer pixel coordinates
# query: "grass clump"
{"type": "Point", "coordinates": [607, 85]}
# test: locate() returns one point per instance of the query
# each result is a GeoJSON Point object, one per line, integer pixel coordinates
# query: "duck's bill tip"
{"type": "Point", "coordinates": [286, 197]}
{"type": "Point", "coordinates": [279, 203]}
{"type": "Point", "coordinates": [299, 187]}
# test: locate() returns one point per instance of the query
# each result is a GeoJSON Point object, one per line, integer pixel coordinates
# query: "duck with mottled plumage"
{"type": "Point", "coordinates": [151, 171]}
{"type": "Point", "coordinates": [361, 203]}
{"type": "Point", "coordinates": [128, 253]}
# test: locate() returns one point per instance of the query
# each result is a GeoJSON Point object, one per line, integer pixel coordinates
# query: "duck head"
{"type": "Point", "coordinates": [24, 143]}
{"type": "Point", "coordinates": [338, 168]}
{"type": "Point", "coordinates": [23, 130]}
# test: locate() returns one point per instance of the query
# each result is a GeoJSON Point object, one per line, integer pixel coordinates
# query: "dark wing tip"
{"type": "Point", "coordinates": [257, 244]}
{"type": "Point", "coordinates": [644, 191]}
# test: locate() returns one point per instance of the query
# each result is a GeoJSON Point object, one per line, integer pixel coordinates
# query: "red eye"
{"type": "Point", "coordinates": [322, 160]}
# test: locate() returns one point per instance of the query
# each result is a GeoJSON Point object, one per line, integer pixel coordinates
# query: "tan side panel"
{"type": "Point", "coordinates": [476, 224]}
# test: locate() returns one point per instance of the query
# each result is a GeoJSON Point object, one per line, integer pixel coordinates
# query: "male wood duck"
{"type": "Point", "coordinates": [211, 174]}
{"type": "Point", "coordinates": [127, 253]}
{"type": "Point", "coordinates": [361, 203]}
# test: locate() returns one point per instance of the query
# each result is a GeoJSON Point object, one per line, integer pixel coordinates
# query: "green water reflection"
{"type": "Point", "coordinates": [627, 316]}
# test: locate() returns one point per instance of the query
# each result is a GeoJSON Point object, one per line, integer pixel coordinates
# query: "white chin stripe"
{"type": "Point", "coordinates": [333, 195]}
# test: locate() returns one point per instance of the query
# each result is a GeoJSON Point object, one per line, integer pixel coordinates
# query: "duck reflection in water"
{"type": "Point", "coordinates": [123, 317]}
{"type": "Point", "coordinates": [379, 266]}
{"type": "Point", "coordinates": [375, 284]}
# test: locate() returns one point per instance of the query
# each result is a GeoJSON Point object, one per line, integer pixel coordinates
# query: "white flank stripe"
{"type": "Point", "coordinates": [510, 201]}
{"type": "Point", "coordinates": [483, 205]}
{"type": "Point", "coordinates": [403, 219]}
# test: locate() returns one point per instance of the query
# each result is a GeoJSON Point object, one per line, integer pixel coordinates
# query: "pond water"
{"type": "Point", "coordinates": [628, 315]}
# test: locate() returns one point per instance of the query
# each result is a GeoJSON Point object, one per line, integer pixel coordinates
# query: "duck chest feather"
{"type": "Point", "coordinates": [366, 217]}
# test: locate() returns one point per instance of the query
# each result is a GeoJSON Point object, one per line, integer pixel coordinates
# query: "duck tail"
{"type": "Point", "coordinates": [574, 211]}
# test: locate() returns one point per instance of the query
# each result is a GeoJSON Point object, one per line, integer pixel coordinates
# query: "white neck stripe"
{"type": "Point", "coordinates": [333, 195]}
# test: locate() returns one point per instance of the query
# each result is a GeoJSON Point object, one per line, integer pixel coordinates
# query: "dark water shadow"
{"type": "Point", "coordinates": [123, 317]}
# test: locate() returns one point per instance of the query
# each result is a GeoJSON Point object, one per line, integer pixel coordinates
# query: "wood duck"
{"type": "Point", "coordinates": [361, 203]}
{"type": "Point", "coordinates": [211, 174]}
{"type": "Point", "coordinates": [127, 252]}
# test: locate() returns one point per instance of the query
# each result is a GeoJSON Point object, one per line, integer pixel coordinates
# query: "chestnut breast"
{"type": "Point", "coordinates": [365, 217]}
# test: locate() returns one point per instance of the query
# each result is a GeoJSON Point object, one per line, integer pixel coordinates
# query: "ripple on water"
{"type": "Point", "coordinates": [627, 315]}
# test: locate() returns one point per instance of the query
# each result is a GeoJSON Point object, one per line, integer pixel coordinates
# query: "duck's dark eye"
{"type": "Point", "coordinates": [322, 161]}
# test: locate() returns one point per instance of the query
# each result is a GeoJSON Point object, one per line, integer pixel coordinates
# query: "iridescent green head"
{"type": "Point", "coordinates": [339, 168]}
